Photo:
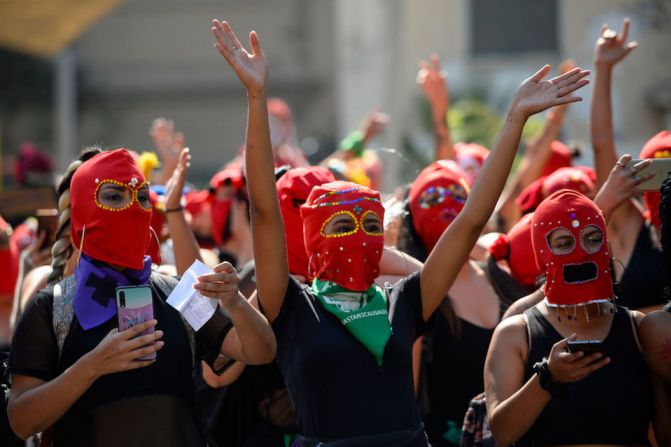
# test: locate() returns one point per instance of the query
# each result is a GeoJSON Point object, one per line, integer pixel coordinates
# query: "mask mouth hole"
{"type": "Point", "coordinates": [580, 273]}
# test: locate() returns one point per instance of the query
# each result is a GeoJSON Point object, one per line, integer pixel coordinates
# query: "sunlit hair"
{"type": "Point", "coordinates": [62, 248]}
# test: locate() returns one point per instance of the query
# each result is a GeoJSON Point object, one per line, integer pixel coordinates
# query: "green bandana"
{"type": "Point", "coordinates": [364, 314]}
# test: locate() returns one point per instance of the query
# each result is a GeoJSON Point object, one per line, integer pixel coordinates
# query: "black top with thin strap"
{"type": "Point", "coordinates": [613, 405]}
{"type": "Point", "coordinates": [453, 359]}
{"type": "Point", "coordinates": [642, 283]}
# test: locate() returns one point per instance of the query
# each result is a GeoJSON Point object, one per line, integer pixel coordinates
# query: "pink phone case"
{"type": "Point", "coordinates": [134, 306]}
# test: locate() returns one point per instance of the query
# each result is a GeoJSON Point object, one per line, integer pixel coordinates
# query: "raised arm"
{"type": "Point", "coordinates": [272, 275]}
{"type": "Point", "coordinates": [432, 81]}
{"type": "Point", "coordinates": [610, 49]}
{"type": "Point", "coordinates": [184, 243]}
{"type": "Point", "coordinates": [452, 249]}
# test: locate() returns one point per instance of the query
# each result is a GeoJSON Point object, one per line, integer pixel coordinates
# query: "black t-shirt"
{"type": "Point", "coordinates": [147, 406]}
{"type": "Point", "coordinates": [336, 386]}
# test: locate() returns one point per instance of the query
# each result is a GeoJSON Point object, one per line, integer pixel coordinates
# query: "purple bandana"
{"type": "Point", "coordinates": [94, 301]}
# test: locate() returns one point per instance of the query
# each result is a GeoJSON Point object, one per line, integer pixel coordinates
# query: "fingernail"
{"type": "Point", "coordinates": [159, 333]}
{"type": "Point", "coordinates": [160, 343]}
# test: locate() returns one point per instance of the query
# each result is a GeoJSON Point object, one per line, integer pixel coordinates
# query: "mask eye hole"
{"type": "Point", "coordinates": [143, 197]}
{"type": "Point", "coordinates": [342, 223]}
{"type": "Point", "coordinates": [591, 239]}
{"type": "Point", "coordinates": [371, 224]}
{"type": "Point", "coordinates": [113, 196]}
{"type": "Point", "coordinates": [435, 195]}
{"type": "Point", "coordinates": [561, 241]}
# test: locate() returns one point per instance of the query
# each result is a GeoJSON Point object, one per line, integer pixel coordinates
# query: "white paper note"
{"type": "Point", "coordinates": [194, 307]}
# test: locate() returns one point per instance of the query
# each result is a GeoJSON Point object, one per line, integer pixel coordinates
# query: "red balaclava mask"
{"type": "Point", "coordinates": [293, 189]}
{"type": "Point", "coordinates": [560, 157]}
{"type": "Point", "coordinates": [9, 260]}
{"type": "Point", "coordinates": [156, 224]}
{"type": "Point", "coordinates": [515, 247]}
{"type": "Point", "coordinates": [351, 259]}
{"type": "Point", "coordinates": [117, 236]}
{"type": "Point", "coordinates": [436, 197]}
{"type": "Point", "coordinates": [576, 179]}
{"type": "Point", "coordinates": [658, 146]}
{"type": "Point", "coordinates": [471, 157]}
{"type": "Point", "coordinates": [577, 277]}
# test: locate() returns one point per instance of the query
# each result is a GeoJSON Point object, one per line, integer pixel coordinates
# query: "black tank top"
{"type": "Point", "coordinates": [453, 363]}
{"type": "Point", "coordinates": [642, 283]}
{"type": "Point", "coordinates": [613, 405]}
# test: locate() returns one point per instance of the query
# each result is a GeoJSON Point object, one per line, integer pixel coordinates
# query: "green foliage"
{"type": "Point", "coordinates": [472, 121]}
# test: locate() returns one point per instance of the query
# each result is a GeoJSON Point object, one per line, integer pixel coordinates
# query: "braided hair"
{"type": "Point", "coordinates": [665, 237]}
{"type": "Point", "coordinates": [62, 248]}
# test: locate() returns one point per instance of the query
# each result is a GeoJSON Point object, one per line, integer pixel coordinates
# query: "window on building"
{"type": "Point", "coordinates": [513, 26]}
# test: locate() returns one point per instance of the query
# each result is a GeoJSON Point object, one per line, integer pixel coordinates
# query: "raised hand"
{"type": "Point", "coordinates": [432, 81]}
{"type": "Point", "coordinates": [622, 184]}
{"type": "Point", "coordinates": [558, 112]}
{"type": "Point", "coordinates": [375, 124]}
{"type": "Point", "coordinates": [536, 95]}
{"type": "Point", "coordinates": [167, 141]}
{"type": "Point", "coordinates": [174, 187]}
{"type": "Point", "coordinates": [612, 47]}
{"type": "Point", "coordinates": [251, 68]}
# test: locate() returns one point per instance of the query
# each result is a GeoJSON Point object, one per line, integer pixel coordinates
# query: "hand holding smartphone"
{"type": "Point", "coordinates": [134, 306]}
{"type": "Point", "coordinates": [586, 346]}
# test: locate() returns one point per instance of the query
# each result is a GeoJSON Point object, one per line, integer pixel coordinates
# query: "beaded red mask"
{"type": "Point", "coordinates": [117, 236]}
{"type": "Point", "coordinates": [577, 271]}
{"type": "Point", "coordinates": [349, 258]}
{"type": "Point", "coordinates": [293, 189]}
{"type": "Point", "coordinates": [436, 197]}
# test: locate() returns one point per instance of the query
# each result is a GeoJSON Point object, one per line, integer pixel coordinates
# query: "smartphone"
{"type": "Point", "coordinates": [47, 222]}
{"type": "Point", "coordinates": [134, 306]}
{"type": "Point", "coordinates": [587, 346]}
{"type": "Point", "coordinates": [662, 169]}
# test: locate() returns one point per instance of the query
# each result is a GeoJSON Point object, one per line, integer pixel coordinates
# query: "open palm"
{"type": "Point", "coordinates": [251, 68]}
{"type": "Point", "coordinates": [536, 95]}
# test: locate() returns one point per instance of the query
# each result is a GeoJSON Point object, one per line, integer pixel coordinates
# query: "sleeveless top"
{"type": "Point", "coordinates": [613, 405]}
{"type": "Point", "coordinates": [642, 283]}
{"type": "Point", "coordinates": [452, 363]}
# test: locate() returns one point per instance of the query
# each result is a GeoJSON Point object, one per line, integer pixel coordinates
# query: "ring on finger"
{"type": "Point", "coordinates": [620, 164]}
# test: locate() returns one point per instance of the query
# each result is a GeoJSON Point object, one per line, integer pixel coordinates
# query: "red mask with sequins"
{"type": "Point", "coordinates": [350, 255]}
{"type": "Point", "coordinates": [117, 236]}
{"type": "Point", "coordinates": [658, 146]}
{"type": "Point", "coordinates": [293, 189]}
{"type": "Point", "coordinates": [515, 247]}
{"type": "Point", "coordinates": [577, 268]}
{"type": "Point", "coordinates": [436, 197]}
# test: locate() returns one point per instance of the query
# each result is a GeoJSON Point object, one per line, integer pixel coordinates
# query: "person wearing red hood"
{"type": "Point", "coordinates": [9, 266]}
{"type": "Point", "coordinates": [32, 167]}
{"type": "Point", "coordinates": [345, 344]}
{"type": "Point", "coordinates": [578, 179]}
{"type": "Point", "coordinates": [539, 391]}
{"type": "Point", "coordinates": [73, 370]}
{"type": "Point", "coordinates": [633, 234]}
